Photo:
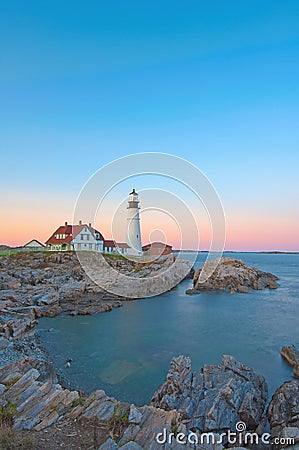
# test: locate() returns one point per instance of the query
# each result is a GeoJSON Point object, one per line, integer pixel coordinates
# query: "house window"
{"type": "Point", "coordinates": [87, 237]}
{"type": "Point", "coordinates": [82, 237]}
{"type": "Point", "coordinates": [79, 246]}
{"type": "Point", "coordinates": [90, 246]}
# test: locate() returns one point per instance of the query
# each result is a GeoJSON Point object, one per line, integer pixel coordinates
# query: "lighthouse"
{"type": "Point", "coordinates": [133, 226]}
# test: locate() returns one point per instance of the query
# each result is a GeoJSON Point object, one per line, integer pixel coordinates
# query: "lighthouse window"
{"type": "Point", "coordinates": [137, 235]}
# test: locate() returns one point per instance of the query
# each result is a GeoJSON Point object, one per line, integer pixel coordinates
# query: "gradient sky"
{"type": "Point", "coordinates": [83, 83]}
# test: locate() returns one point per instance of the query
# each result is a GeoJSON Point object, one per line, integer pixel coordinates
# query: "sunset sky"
{"type": "Point", "coordinates": [216, 83]}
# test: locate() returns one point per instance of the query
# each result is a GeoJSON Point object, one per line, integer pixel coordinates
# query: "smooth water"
{"type": "Point", "coordinates": [127, 351]}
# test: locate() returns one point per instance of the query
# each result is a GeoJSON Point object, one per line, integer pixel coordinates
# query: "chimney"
{"type": "Point", "coordinates": [80, 222]}
{"type": "Point", "coordinates": [89, 224]}
{"type": "Point", "coordinates": [65, 223]}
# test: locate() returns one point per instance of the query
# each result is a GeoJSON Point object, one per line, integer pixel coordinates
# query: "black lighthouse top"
{"type": "Point", "coordinates": [133, 201]}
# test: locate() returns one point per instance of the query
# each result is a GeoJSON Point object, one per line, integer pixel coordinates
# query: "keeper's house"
{"type": "Point", "coordinates": [75, 237]}
{"type": "Point", "coordinates": [115, 248]}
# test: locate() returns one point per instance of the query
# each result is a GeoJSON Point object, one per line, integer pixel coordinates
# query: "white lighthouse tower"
{"type": "Point", "coordinates": [133, 228]}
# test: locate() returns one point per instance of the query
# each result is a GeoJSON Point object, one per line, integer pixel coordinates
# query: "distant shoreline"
{"type": "Point", "coordinates": [7, 248]}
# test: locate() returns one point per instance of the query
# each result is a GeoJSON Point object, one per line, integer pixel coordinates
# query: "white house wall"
{"type": "Point", "coordinates": [34, 244]}
{"type": "Point", "coordinates": [85, 240]}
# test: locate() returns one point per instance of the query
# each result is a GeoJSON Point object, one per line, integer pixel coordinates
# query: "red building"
{"type": "Point", "coordinates": [157, 249]}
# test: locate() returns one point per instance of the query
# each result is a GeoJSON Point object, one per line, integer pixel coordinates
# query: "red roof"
{"type": "Point", "coordinates": [122, 245]}
{"type": "Point", "coordinates": [70, 231]}
{"type": "Point", "coordinates": [98, 232]}
{"type": "Point", "coordinates": [155, 244]}
{"type": "Point", "coordinates": [109, 243]}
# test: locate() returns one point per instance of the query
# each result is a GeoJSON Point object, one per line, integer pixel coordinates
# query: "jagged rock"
{"type": "Point", "coordinates": [48, 284]}
{"type": "Point", "coordinates": [154, 421]}
{"type": "Point", "coordinates": [291, 355]}
{"type": "Point", "coordinates": [283, 412]}
{"type": "Point", "coordinates": [215, 398]}
{"type": "Point", "coordinates": [131, 445]}
{"type": "Point", "coordinates": [212, 400]}
{"type": "Point", "coordinates": [44, 285]}
{"type": "Point", "coordinates": [232, 275]}
{"type": "Point", "coordinates": [242, 289]}
{"type": "Point", "coordinates": [39, 404]}
{"type": "Point", "coordinates": [3, 343]}
{"type": "Point", "coordinates": [192, 291]}
{"type": "Point", "coordinates": [46, 298]}
{"type": "Point", "coordinates": [135, 415]}
{"type": "Point", "coordinates": [98, 404]}
{"type": "Point", "coordinates": [110, 444]}
{"type": "Point", "coordinates": [21, 324]}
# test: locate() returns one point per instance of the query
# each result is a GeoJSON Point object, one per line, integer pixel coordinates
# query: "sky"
{"type": "Point", "coordinates": [215, 83]}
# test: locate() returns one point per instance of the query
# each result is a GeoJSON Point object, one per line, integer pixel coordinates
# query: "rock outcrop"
{"type": "Point", "coordinates": [212, 400]}
{"type": "Point", "coordinates": [37, 404]}
{"type": "Point", "coordinates": [40, 404]}
{"type": "Point", "coordinates": [215, 398]}
{"type": "Point", "coordinates": [34, 285]}
{"type": "Point", "coordinates": [232, 275]}
{"type": "Point", "coordinates": [283, 414]}
{"type": "Point", "coordinates": [143, 279]}
{"type": "Point", "coordinates": [291, 355]}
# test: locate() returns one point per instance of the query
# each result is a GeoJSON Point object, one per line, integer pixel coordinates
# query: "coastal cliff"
{"type": "Point", "coordinates": [35, 285]}
{"type": "Point", "coordinates": [232, 275]}
{"type": "Point", "coordinates": [216, 399]}
{"type": "Point", "coordinates": [212, 400]}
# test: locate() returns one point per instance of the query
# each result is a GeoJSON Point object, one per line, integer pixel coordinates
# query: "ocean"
{"type": "Point", "coordinates": [127, 351]}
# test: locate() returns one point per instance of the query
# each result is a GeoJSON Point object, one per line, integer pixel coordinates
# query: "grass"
{"type": "Point", "coordinates": [9, 253]}
{"type": "Point", "coordinates": [113, 255]}
{"type": "Point", "coordinates": [79, 401]}
{"type": "Point", "coordinates": [118, 423]}
{"type": "Point", "coordinates": [7, 414]}
{"type": "Point", "coordinates": [13, 252]}
{"type": "Point", "coordinates": [11, 439]}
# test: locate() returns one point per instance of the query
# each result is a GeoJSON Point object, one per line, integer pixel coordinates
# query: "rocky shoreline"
{"type": "Point", "coordinates": [46, 284]}
{"type": "Point", "coordinates": [231, 275]}
{"type": "Point", "coordinates": [35, 285]}
{"type": "Point", "coordinates": [215, 399]}
{"type": "Point", "coordinates": [291, 355]}
{"type": "Point", "coordinates": [35, 401]}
